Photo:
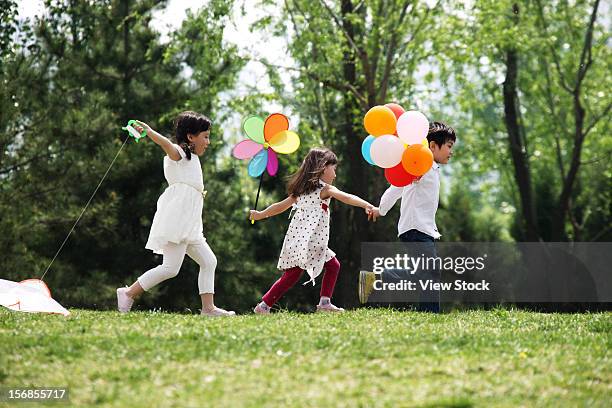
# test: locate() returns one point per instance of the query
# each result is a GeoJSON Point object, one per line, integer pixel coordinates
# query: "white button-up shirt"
{"type": "Point", "coordinates": [419, 203]}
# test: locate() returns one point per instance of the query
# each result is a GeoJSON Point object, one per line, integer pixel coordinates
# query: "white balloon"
{"type": "Point", "coordinates": [386, 151]}
{"type": "Point", "coordinates": [412, 127]}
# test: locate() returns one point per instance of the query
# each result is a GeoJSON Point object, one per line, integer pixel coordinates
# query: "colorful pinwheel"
{"type": "Point", "coordinates": [265, 140]}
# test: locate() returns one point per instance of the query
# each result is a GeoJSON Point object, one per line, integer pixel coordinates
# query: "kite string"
{"type": "Point", "coordinates": [84, 209]}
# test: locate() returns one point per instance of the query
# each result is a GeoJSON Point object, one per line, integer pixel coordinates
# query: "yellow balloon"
{"type": "Point", "coordinates": [285, 142]}
{"type": "Point", "coordinates": [379, 121]}
{"type": "Point", "coordinates": [425, 142]}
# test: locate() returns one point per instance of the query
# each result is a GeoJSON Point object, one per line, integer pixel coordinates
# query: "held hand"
{"type": "Point", "coordinates": [255, 215]}
{"type": "Point", "coordinates": [368, 210]}
{"type": "Point", "coordinates": [374, 214]}
{"type": "Point", "coordinates": [140, 126]}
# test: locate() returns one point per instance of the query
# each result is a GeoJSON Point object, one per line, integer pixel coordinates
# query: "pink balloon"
{"type": "Point", "coordinates": [412, 127]}
{"type": "Point", "coordinates": [272, 165]}
{"type": "Point", "coordinates": [246, 149]}
{"type": "Point", "coordinates": [386, 151]}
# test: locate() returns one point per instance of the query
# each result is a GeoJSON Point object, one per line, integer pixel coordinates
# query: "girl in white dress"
{"type": "Point", "coordinates": [305, 245]}
{"type": "Point", "coordinates": [177, 225]}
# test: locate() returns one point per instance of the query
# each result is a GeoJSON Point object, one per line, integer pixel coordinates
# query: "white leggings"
{"type": "Point", "coordinates": [173, 258]}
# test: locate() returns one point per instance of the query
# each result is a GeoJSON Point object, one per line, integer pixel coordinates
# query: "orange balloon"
{"type": "Point", "coordinates": [417, 159]}
{"type": "Point", "coordinates": [379, 121]}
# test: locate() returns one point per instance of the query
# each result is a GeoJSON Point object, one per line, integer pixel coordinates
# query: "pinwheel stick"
{"type": "Point", "coordinates": [257, 197]}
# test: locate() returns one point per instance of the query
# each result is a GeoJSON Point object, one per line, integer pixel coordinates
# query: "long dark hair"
{"type": "Point", "coordinates": [189, 123]}
{"type": "Point", "coordinates": [306, 179]}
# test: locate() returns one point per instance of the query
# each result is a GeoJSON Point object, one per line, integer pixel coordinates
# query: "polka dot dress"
{"type": "Point", "coordinates": [305, 243]}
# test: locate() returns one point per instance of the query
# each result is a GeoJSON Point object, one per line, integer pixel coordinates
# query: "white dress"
{"type": "Point", "coordinates": [179, 209]}
{"type": "Point", "coordinates": [305, 243]}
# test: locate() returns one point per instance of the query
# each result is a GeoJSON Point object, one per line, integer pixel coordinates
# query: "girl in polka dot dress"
{"type": "Point", "coordinates": [305, 246]}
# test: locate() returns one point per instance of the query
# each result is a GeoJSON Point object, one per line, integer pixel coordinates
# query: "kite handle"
{"type": "Point", "coordinates": [133, 132]}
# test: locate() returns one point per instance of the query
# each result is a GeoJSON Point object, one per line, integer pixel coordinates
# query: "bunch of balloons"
{"type": "Point", "coordinates": [397, 143]}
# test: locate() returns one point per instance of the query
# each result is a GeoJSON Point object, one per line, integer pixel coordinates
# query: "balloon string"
{"type": "Point", "coordinates": [257, 198]}
{"type": "Point", "coordinates": [84, 209]}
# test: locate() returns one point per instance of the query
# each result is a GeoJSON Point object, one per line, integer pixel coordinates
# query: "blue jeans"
{"type": "Point", "coordinates": [429, 300]}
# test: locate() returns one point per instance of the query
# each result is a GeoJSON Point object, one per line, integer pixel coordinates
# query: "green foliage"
{"type": "Point", "coordinates": [467, 217]}
{"type": "Point", "coordinates": [8, 14]}
{"type": "Point", "coordinates": [69, 81]}
{"type": "Point", "coordinates": [86, 71]}
{"type": "Point", "coordinates": [348, 56]}
{"type": "Point", "coordinates": [549, 38]}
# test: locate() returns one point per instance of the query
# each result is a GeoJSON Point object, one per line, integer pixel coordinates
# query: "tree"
{"type": "Point", "coordinates": [87, 69]}
{"type": "Point", "coordinates": [350, 56]}
{"type": "Point", "coordinates": [544, 79]}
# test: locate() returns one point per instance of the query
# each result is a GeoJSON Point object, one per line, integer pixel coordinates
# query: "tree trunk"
{"type": "Point", "coordinates": [517, 146]}
{"type": "Point", "coordinates": [351, 222]}
{"type": "Point", "coordinates": [558, 227]}
{"type": "Point", "coordinates": [126, 54]}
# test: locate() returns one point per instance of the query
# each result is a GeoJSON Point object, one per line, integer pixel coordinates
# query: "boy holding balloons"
{"type": "Point", "coordinates": [419, 195]}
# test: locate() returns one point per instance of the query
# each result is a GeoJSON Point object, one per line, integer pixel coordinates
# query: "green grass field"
{"type": "Point", "coordinates": [364, 358]}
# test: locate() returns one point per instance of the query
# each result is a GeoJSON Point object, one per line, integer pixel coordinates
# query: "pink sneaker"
{"type": "Point", "coordinates": [259, 309]}
{"type": "Point", "coordinates": [218, 312]}
{"type": "Point", "coordinates": [124, 301]}
{"type": "Point", "coordinates": [329, 308]}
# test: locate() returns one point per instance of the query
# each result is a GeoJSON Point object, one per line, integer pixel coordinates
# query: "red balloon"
{"type": "Point", "coordinates": [398, 176]}
{"type": "Point", "coordinates": [397, 111]}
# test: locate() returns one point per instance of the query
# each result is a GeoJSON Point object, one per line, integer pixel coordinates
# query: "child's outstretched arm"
{"type": "Point", "coordinates": [272, 210]}
{"type": "Point", "coordinates": [346, 198]}
{"type": "Point", "coordinates": [387, 201]}
{"type": "Point", "coordinates": [160, 140]}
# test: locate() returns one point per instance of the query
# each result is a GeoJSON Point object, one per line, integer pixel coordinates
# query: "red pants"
{"type": "Point", "coordinates": [291, 276]}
